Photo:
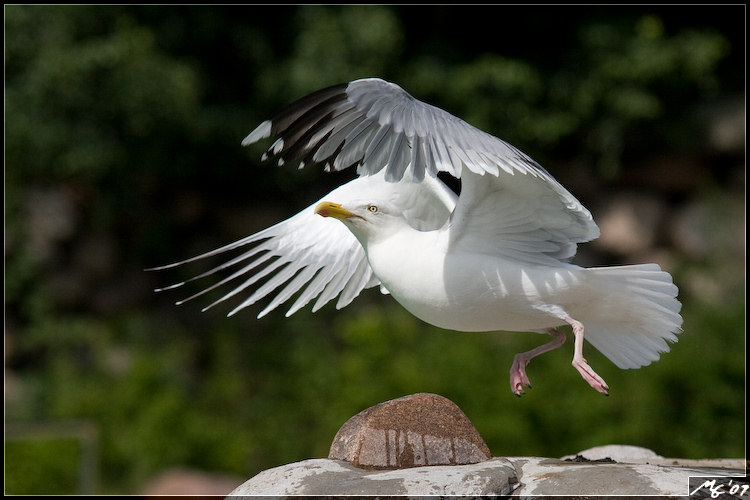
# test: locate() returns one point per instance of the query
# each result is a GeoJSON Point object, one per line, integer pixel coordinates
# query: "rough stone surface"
{"type": "Point", "coordinates": [626, 454]}
{"type": "Point", "coordinates": [517, 476]}
{"type": "Point", "coordinates": [546, 476]}
{"type": "Point", "coordinates": [621, 453]}
{"type": "Point", "coordinates": [412, 431]}
{"type": "Point", "coordinates": [335, 477]}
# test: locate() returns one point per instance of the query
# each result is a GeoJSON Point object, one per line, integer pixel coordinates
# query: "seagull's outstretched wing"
{"type": "Point", "coordinates": [318, 257]}
{"type": "Point", "coordinates": [509, 204]}
{"type": "Point", "coordinates": [520, 217]}
{"type": "Point", "coordinates": [373, 124]}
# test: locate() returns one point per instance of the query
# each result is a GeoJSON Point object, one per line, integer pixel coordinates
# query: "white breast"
{"type": "Point", "coordinates": [471, 292]}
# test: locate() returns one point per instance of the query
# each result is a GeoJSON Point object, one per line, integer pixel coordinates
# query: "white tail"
{"type": "Point", "coordinates": [635, 314]}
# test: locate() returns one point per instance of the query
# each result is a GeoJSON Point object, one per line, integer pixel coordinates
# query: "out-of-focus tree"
{"type": "Point", "coordinates": [122, 135]}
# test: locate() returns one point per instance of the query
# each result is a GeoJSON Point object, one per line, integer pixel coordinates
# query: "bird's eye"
{"type": "Point", "coordinates": [373, 209]}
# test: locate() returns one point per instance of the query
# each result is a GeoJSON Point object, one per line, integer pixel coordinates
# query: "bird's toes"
{"type": "Point", "coordinates": [600, 386]}
{"type": "Point", "coordinates": [516, 386]}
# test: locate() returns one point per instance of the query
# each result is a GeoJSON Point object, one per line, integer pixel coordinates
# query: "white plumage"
{"type": "Point", "coordinates": [497, 257]}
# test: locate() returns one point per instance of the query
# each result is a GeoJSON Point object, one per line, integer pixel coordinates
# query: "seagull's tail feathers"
{"type": "Point", "coordinates": [635, 314]}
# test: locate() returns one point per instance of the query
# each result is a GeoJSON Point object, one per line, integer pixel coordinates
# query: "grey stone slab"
{"type": "Point", "coordinates": [517, 476]}
{"type": "Point", "coordinates": [335, 477]}
{"type": "Point", "coordinates": [546, 476]}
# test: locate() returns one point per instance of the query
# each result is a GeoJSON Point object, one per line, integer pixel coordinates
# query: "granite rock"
{"type": "Point", "coordinates": [546, 476]}
{"type": "Point", "coordinates": [620, 453]}
{"type": "Point", "coordinates": [336, 477]}
{"type": "Point", "coordinates": [516, 476]}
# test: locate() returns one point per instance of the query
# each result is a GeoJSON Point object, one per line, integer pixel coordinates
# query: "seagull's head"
{"type": "Point", "coordinates": [368, 220]}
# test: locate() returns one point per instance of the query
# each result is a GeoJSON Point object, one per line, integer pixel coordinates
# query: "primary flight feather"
{"type": "Point", "coordinates": [495, 257]}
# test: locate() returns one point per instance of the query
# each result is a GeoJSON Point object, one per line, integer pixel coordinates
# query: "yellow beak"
{"type": "Point", "coordinates": [328, 209]}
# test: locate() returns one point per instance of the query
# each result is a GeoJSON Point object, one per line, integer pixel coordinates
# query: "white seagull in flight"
{"type": "Point", "coordinates": [495, 257]}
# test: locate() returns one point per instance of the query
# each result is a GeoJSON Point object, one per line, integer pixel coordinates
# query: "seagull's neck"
{"type": "Point", "coordinates": [399, 252]}
{"type": "Point", "coordinates": [398, 235]}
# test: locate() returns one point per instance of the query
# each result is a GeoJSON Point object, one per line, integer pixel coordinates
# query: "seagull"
{"type": "Point", "coordinates": [495, 257]}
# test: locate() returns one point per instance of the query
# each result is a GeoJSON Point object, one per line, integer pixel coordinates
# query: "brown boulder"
{"type": "Point", "coordinates": [416, 430]}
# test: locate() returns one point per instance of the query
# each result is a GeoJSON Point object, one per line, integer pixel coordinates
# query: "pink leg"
{"type": "Point", "coordinates": [518, 376]}
{"type": "Point", "coordinates": [580, 364]}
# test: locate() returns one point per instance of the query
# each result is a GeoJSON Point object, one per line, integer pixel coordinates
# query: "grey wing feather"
{"type": "Point", "coordinates": [375, 125]}
{"type": "Point", "coordinates": [372, 124]}
{"type": "Point", "coordinates": [317, 258]}
{"type": "Point", "coordinates": [520, 218]}
{"type": "Point", "coordinates": [311, 255]}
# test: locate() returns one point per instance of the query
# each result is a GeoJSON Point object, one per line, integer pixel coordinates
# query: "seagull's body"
{"type": "Point", "coordinates": [499, 297]}
{"type": "Point", "coordinates": [495, 257]}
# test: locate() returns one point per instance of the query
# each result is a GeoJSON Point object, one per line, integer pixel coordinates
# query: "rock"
{"type": "Point", "coordinates": [725, 123]}
{"type": "Point", "coordinates": [180, 481]}
{"type": "Point", "coordinates": [50, 219]}
{"type": "Point", "coordinates": [620, 453]}
{"type": "Point", "coordinates": [629, 223]}
{"type": "Point", "coordinates": [710, 226]}
{"type": "Point", "coordinates": [519, 476]}
{"type": "Point", "coordinates": [415, 430]}
{"type": "Point", "coordinates": [626, 454]}
{"type": "Point", "coordinates": [335, 477]}
{"type": "Point", "coordinates": [545, 476]}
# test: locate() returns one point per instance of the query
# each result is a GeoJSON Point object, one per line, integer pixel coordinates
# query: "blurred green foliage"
{"type": "Point", "coordinates": [42, 467]}
{"type": "Point", "coordinates": [122, 152]}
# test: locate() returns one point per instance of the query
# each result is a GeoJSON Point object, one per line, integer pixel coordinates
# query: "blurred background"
{"type": "Point", "coordinates": [122, 152]}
